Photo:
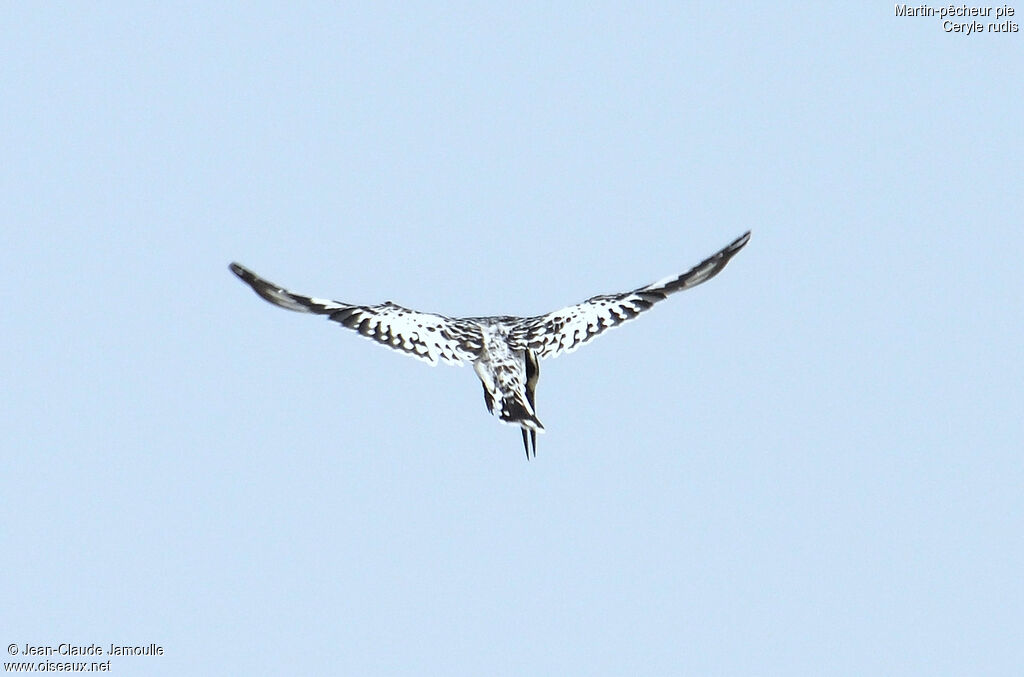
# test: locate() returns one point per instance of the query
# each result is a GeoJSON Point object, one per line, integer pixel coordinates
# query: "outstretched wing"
{"type": "Point", "coordinates": [424, 335]}
{"type": "Point", "coordinates": [567, 329]}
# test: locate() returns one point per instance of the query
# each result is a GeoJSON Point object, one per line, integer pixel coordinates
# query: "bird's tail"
{"type": "Point", "coordinates": [515, 411]}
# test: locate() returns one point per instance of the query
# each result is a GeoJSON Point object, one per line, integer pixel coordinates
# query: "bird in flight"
{"type": "Point", "coordinates": [505, 351]}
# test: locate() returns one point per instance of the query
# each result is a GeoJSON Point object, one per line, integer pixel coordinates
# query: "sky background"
{"type": "Point", "coordinates": [810, 465]}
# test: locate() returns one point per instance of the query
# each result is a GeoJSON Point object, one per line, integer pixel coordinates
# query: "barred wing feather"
{"type": "Point", "coordinates": [426, 336]}
{"type": "Point", "coordinates": [567, 329]}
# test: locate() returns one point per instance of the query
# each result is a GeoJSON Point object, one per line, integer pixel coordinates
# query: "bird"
{"type": "Point", "coordinates": [505, 351]}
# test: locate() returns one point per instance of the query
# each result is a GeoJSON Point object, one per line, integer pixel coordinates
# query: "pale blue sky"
{"type": "Point", "coordinates": [810, 465]}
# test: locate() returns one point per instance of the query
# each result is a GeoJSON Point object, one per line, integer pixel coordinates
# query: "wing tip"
{"type": "Point", "coordinates": [741, 241]}
{"type": "Point", "coordinates": [241, 271]}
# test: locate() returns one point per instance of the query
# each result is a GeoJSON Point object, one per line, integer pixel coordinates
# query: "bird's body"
{"type": "Point", "coordinates": [505, 351]}
{"type": "Point", "coordinates": [501, 368]}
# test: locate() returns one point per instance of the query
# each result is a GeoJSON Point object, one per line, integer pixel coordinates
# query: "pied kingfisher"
{"type": "Point", "coordinates": [505, 351]}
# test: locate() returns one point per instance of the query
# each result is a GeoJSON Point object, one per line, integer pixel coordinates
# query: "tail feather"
{"type": "Point", "coordinates": [514, 410]}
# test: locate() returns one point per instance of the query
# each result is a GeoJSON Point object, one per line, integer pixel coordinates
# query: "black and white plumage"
{"type": "Point", "coordinates": [505, 351]}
